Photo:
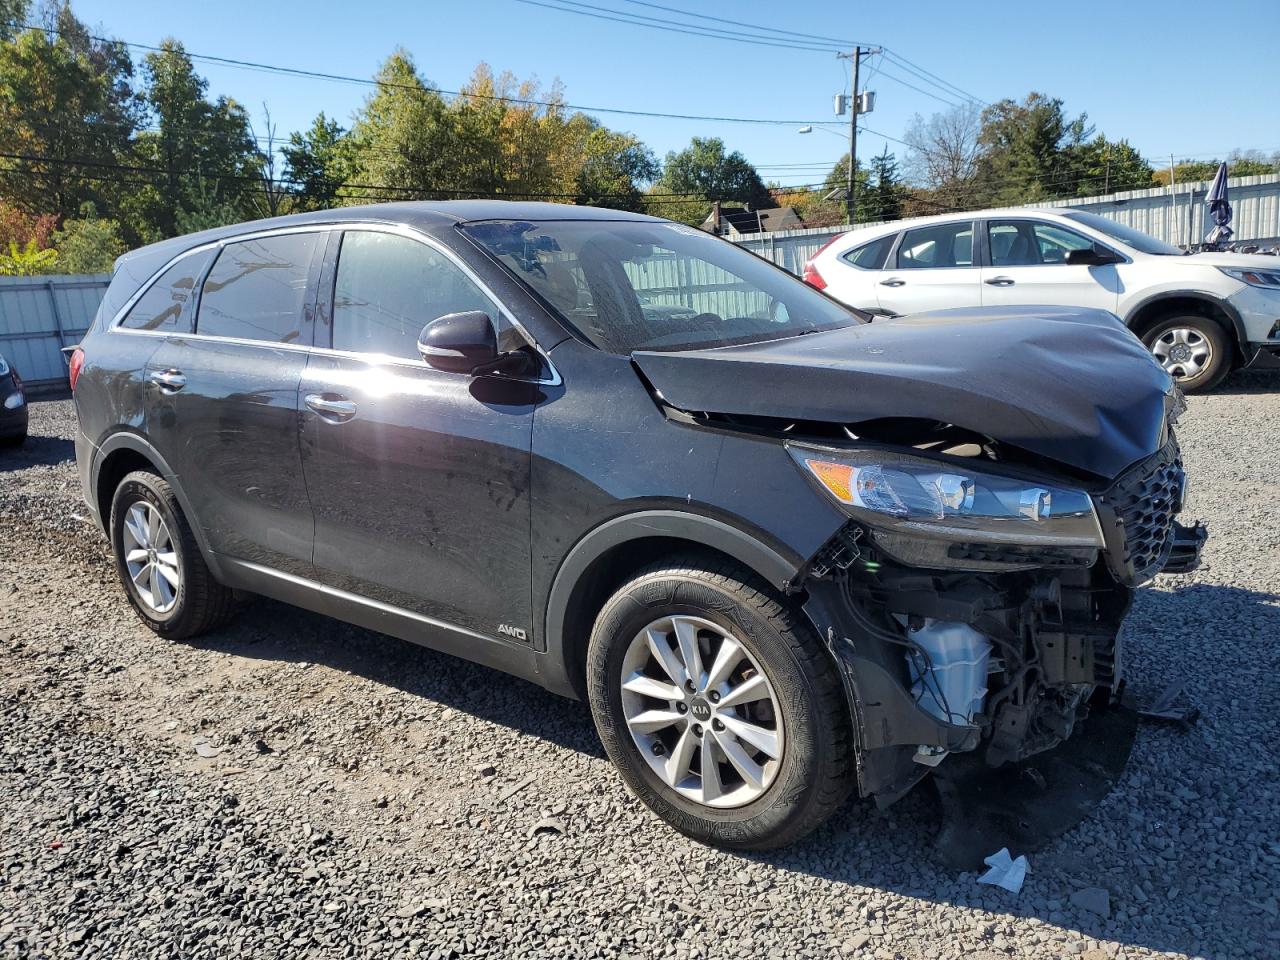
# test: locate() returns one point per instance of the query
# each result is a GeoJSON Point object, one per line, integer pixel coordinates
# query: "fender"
{"type": "Point", "coordinates": [1238, 324]}
{"type": "Point", "coordinates": [124, 440]}
{"type": "Point", "coordinates": [747, 549]}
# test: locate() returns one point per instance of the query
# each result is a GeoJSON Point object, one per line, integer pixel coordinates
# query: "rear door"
{"type": "Point", "coordinates": [933, 268]}
{"type": "Point", "coordinates": [1026, 264]}
{"type": "Point", "coordinates": [419, 478]}
{"type": "Point", "coordinates": [223, 403]}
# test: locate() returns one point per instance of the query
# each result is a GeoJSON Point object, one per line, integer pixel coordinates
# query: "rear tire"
{"type": "Point", "coordinates": [1194, 350]}
{"type": "Point", "coordinates": [159, 562]}
{"type": "Point", "coordinates": [784, 695]}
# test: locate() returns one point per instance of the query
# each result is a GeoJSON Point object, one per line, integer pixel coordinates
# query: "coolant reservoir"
{"type": "Point", "coordinates": [950, 679]}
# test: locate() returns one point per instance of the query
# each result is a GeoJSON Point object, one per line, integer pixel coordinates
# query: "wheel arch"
{"type": "Point", "coordinates": [1146, 312]}
{"type": "Point", "coordinates": [121, 454]}
{"type": "Point", "coordinates": [604, 558]}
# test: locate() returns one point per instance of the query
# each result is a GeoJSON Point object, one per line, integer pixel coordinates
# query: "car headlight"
{"type": "Point", "coordinates": [4, 367]}
{"type": "Point", "coordinates": [14, 401]}
{"type": "Point", "coordinates": [941, 501]}
{"type": "Point", "coordinates": [1267, 279]}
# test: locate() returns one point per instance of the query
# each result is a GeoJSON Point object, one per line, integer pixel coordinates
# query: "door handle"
{"type": "Point", "coordinates": [334, 409]}
{"type": "Point", "coordinates": [1000, 281]}
{"type": "Point", "coordinates": [893, 282]}
{"type": "Point", "coordinates": [169, 381]}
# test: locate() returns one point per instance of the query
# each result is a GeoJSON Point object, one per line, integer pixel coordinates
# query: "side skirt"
{"type": "Point", "coordinates": [425, 631]}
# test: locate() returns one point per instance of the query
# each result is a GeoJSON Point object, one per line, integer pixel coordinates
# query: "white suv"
{"type": "Point", "coordinates": [1202, 314]}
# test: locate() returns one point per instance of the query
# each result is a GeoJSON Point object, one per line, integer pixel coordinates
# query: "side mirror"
{"type": "Point", "coordinates": [459, 342]}
{"type": "Point", "coordinates": [1095, 256]}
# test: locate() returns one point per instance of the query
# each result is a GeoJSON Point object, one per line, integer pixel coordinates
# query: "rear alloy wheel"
{"type": "Point", "coordinates": [1192, 349]}
{"type": "Point", "coordinates": [159, 562]}
{"type": "Point", "coordinates": [719, 706]}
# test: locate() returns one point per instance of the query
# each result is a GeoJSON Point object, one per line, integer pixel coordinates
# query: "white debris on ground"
{"type": "Point", "coordinates": [291, 786]}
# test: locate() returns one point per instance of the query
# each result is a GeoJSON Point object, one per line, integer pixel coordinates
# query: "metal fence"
{"type": "Point", "coordinates": [1177, 216]}
{"type": "Point", "coordinates": [41, 315]}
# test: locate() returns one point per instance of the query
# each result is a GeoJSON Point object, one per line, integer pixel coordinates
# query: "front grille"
{"type": "Point", "coordinates": [1137, 513]}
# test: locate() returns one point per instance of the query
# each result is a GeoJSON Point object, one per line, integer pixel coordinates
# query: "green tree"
{"type": "Point", "coordinates": [1028, 149]}
{"type": "Point", "coordinates": [12, 14]}
{"type": "Point", "coordinates": [67, 112]}
{"type": "Point", "coordinates": [89, 244]}
{"type": "Point", "coordinates": [203, 152]}
{"type": "Point", "coordinates": [317, 163]}
{"type": "Point", "coordinates": [704, 169]}
{"type": "Point", "coordinates": [613, 168]}
{"type": "Point", "coordinates": [401, 142]}
{"type": "Point", "coordinates": [27, 261]}
{"type": "Point", "coordinates": [1102, 166]}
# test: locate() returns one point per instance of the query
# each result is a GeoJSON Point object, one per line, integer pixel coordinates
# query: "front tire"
{"type": "Point", "coordinates": [159, 562]}
{"type": "Point", "coordinates": [1194, 350]}
{"type": "Point", "coordinates": [749, 748]}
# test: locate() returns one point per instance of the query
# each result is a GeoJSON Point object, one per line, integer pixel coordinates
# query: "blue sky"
{"type": "Point", "coordinates": [1145, 71]}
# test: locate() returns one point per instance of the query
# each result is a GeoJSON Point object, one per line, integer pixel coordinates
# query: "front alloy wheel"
{"type": "Point", "coordinates": [719, 706]}
{"type": "Point", "coordinates": [708, 724]}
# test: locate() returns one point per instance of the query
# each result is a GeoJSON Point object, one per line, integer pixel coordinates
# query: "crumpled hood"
{"type": "Point", "coordinates": [1068, 384]}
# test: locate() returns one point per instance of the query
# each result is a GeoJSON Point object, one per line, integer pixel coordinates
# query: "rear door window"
{"type": "Point", "coordinates": [257, 288]}
{"type": "Point", "coordinates": [937, 245]}
{"type": "Point", "coordinates": [168, 304]}
{"type": "Point", "coordinates": [388, 287]}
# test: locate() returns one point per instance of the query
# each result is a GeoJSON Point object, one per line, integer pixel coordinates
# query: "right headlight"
{"type": "Point", "coordinates": [1267, 279]}
{"type": "Point", "coordinates": [4, 367]}
{"type": "Point", "coordinates": [913, 495]}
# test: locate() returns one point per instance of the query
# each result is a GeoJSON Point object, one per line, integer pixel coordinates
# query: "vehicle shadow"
{"type": "Point", "coordinates": [1244, 382]}
{"type": "Point", "coordinates": [36, 452]}
{"type": "Point", "coordinates": [268, 630]}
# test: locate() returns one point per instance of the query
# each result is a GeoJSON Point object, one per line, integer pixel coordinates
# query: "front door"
{"type": "Point", "coordinates": [223, 404]}
{"type": "Point", "coordinates": [933, 269]}
{"type": "Point", "coordinates": [1027, 264]}
{"type": "Point", "coordinates": [419, 478]}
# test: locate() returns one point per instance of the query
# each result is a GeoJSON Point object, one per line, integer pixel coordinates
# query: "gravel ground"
{"type": "Point", "coordinates": [295, 787]}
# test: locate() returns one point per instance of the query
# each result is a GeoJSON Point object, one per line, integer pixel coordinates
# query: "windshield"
{"type": "Point", "coordinates": [1142, 242]}
{"type": "Point", "coordinates": [635, 285]}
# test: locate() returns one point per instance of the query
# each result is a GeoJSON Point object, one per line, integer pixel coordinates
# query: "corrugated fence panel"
{"type": "Point", "coordinates": [41, 315]}
{"type": "Point", "coordinates": [1178, 217]}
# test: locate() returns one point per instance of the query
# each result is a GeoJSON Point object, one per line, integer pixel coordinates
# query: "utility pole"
{"type": "Point", "coordinates": [851, 188]}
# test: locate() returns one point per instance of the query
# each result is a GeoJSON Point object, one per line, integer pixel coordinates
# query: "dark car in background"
{"type": "Point", "coordinates": [13, 405]}
{"type": "Point", "coordinates": [784, 554]}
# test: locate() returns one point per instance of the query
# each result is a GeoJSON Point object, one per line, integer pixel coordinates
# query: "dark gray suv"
{"type": "Point", "coordinates": [783, 553]}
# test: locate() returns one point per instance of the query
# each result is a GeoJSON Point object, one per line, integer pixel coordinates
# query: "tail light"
{"type": "Point", "coordinates": [77, 362]}
{"type": "Point", "coordinates": [812, 277]}
{"type": "Point", "coordinates": [810, 274]}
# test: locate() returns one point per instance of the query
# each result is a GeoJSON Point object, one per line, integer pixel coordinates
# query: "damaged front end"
{"type": "Point", "coordinates": [980, 611]}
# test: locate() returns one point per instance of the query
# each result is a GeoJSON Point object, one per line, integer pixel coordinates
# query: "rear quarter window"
{"type": "Point", "coordinates": [871, 255]}
{"type": "Point", "coordinates": [168, 304]}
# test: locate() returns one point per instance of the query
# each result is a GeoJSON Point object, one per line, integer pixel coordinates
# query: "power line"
{"type": "Point", "coordinates": [425, 89]}
{"type": "Point", "coordinates": [695, 30]}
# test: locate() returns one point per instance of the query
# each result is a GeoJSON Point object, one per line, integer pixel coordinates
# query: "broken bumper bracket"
{"type": "Point", "coordinates": [1187, 544]}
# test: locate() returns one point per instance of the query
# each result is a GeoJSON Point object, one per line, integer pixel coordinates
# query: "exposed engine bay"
{"type": "Point", "coordinates": [1002, 655]}
{"type": "Point", "coordinates": [935, 663]}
